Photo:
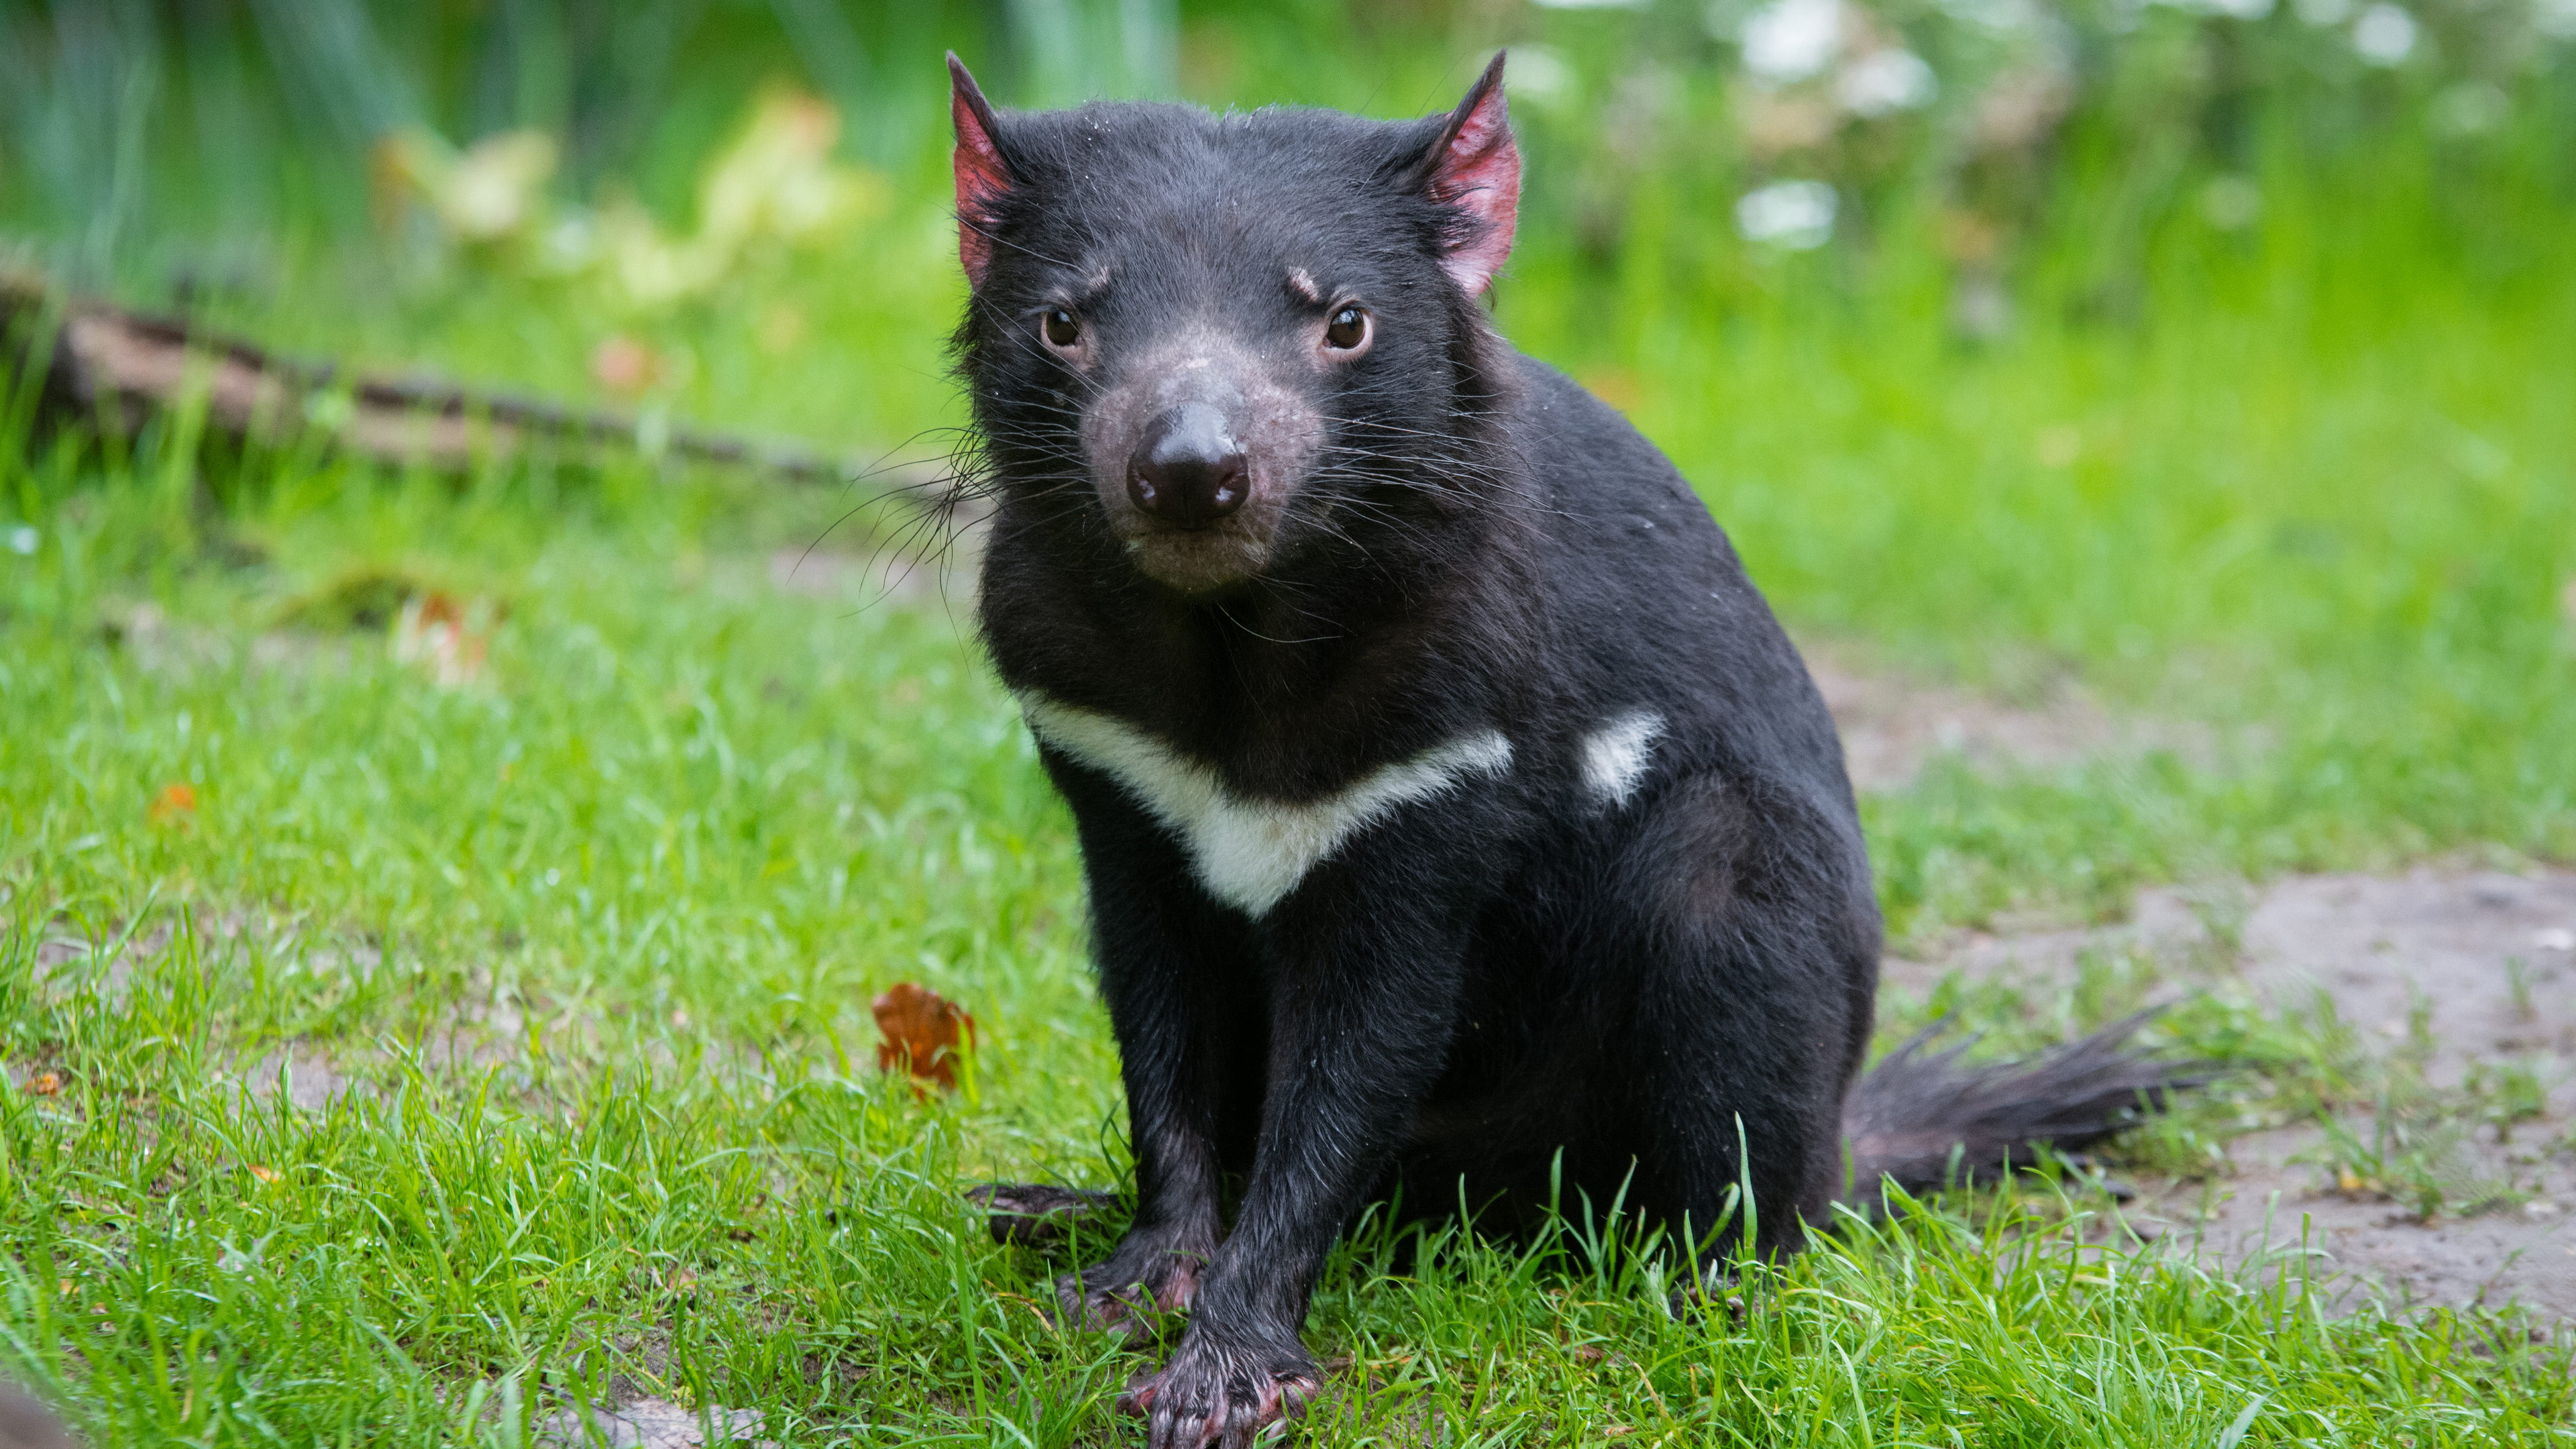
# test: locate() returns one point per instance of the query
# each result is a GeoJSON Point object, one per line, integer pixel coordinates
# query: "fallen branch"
{"type": "Point", "coordinates": [114, 369]}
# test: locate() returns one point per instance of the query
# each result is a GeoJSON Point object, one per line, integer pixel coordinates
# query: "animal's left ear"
{"type": "Point", "coordinates": [1474, 169]}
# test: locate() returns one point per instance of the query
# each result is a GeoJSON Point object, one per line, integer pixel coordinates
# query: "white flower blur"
{"type": "Point", "coordinates": [2384, 35]}
{"type": "Point", "coordinates": [1790, 40]}
{"type": "Point", "coordinates": [1794, 215]}
{"type": "Point", "coordinates": [2470, 108]}
{"type": "Point", "coordinates": [2233, 9]}
{"type": "Point", "coordinates": [2232, 203]}
{"type": "Point", "coordinates": [1886, 80]}
{"type": "Point", "coordinates": [1539, 72]}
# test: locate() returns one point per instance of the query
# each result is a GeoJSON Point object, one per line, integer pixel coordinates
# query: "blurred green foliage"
{"type": "Point", "coordinates": [2212, 356]}
{"type": "Point", "coordinates": [2058, 146]}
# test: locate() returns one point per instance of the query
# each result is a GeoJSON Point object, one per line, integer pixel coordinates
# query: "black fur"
{"type": "Point", "coordinates": [1458, 539]}
{"type": "Point", "coordinates": [27, 1424]}
{"type": "Point", "coordinates": [1927, 1122]}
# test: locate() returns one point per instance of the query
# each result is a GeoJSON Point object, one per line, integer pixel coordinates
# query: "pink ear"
{"type": "Point", "coordinates": [1476, 168]}
{"type": "Point", "coordinates": [983, 177]}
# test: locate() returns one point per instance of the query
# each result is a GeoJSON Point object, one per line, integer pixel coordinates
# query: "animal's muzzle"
{"type": "Point", "coordinates": [1188, 471]}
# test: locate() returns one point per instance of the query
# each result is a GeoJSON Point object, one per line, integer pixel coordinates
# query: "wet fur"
{"type": "Point", "coordinates": [1521, 974]}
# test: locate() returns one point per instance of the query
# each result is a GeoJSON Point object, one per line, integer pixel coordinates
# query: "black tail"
{"type": "Point", "coordinates": [1928, 1122]}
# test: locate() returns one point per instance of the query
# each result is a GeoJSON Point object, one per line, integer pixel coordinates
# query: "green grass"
{"type": "Point", "coordinates": [590, 944]}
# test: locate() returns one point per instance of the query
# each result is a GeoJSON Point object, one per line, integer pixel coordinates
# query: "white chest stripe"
{"type": "Point", "coordinates": [1252, 853]}
{"type": "Point", "coordinates": [1615, 756]}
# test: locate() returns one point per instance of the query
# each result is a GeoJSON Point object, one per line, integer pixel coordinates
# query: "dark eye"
{"type": "Point", "coordinates": [1348, 328]}
{"type": "Point", "coordinates": [1062, 328]}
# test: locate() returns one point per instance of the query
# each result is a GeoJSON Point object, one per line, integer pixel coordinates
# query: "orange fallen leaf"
{"type": "Point", "coordinates": [264, 1174]}
{"type": "Point", "coordinates": [921, 1030]}
{"type": "Point", "coordinates": [44, 1084]}
{"type": "Point", "coordinates": [447, 637]}
{"type": "Point", "coordinates": [175, 801]}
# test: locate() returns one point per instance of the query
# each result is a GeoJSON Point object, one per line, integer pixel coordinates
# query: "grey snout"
{"type": "Point", "coordinates": [1188, 470]}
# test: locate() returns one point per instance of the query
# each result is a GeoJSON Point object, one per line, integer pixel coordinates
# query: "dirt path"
{"type": "Point", "coordinates": [2459, 986]}
{"type": "Point", "coordinates": [1893, 726]}
{"type": "Point", "coordinates": [2457, 980]}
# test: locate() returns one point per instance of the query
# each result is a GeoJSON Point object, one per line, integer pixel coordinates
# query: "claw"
{"type": "Point", "coordinates": [1119, 1297]}
{"type": "Point", "coordinates": [1129, 1310]}
{"type": "Point", "coordinates": [1137, 1399]}
{"type": "Point", "coordinates": [1219, 1399]}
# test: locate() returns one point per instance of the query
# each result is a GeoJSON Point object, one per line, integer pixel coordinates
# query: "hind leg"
{"type": "Point", "coordinates": [1755, 947]}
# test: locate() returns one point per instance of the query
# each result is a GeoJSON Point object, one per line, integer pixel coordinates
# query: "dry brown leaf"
{"type": "Point", "coordinates": [447, 637]}
{"type": "Point", "coordinates": [921, 1030]}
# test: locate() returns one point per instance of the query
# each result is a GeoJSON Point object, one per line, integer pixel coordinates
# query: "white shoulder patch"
{"type": "Point", "coordinates": [1615, 756]}
{"type": "Point", "coordinates": [1252, 853]}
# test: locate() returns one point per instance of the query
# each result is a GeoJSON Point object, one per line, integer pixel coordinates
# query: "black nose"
{"type": "Point", "coordinates": [1189, 470]}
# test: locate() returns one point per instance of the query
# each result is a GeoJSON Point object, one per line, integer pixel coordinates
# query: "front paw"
{"type": "Point", "coordinates": [1222, 1396]}
{"type": "Point", "coordinates": [1136, 1286]}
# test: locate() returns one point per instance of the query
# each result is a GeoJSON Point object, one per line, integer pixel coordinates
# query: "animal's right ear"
{"type": "Point", "coordinates": [983, 177]}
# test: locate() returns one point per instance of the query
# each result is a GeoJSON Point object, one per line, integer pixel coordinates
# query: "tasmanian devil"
{"type": "Point", "coordinates": [1455, 816]}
